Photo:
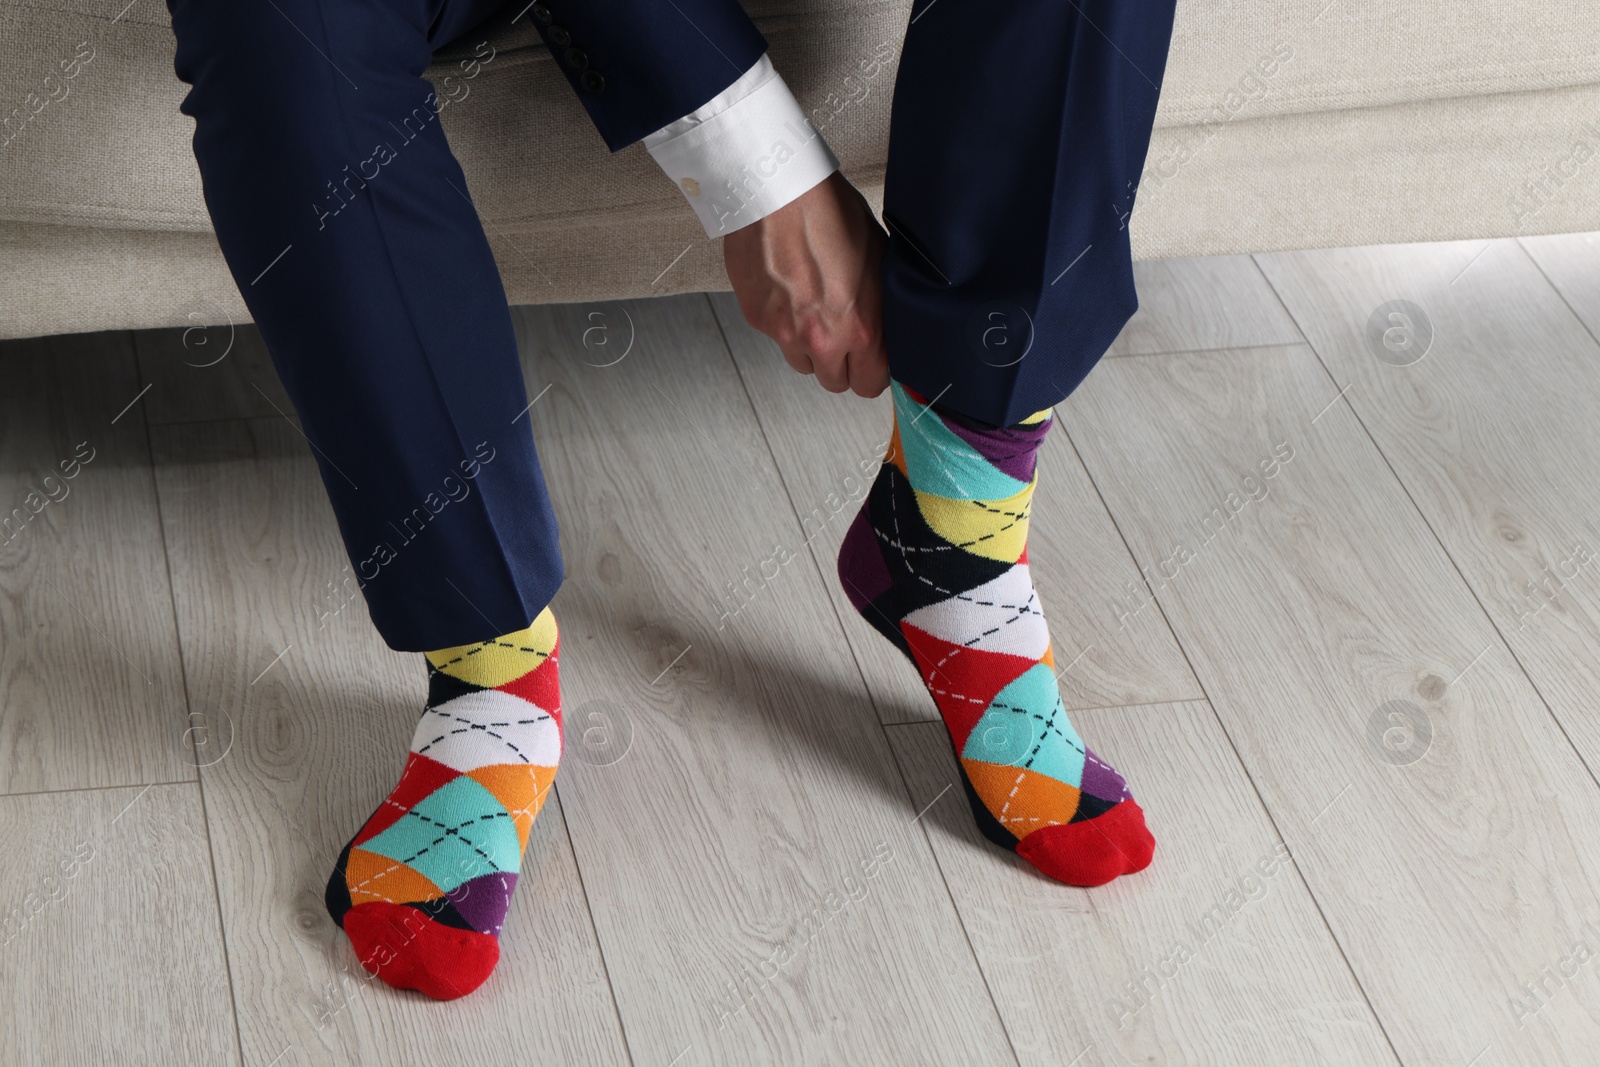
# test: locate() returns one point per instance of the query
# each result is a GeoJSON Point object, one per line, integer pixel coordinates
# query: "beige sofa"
{"type": "Point", "coordinates": [1304, 123]}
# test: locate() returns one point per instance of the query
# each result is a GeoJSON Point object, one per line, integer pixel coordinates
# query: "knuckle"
{"type": "Point", "coordinates": [817, 337]}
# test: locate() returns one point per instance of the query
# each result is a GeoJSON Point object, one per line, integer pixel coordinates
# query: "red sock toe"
{"type": "Point", "coordinates": [1094, 851]}
{"type": "Point", "coordinates": [408, 950]}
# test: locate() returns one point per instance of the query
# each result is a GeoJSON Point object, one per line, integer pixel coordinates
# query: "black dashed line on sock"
{"type": "Point", "coordinates": [454, 831]}
{"type": "Point", "coordinates": [470, 725]}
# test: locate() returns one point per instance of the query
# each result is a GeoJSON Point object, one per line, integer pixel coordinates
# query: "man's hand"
{"type": "Point", "coordinates": [809, 277]}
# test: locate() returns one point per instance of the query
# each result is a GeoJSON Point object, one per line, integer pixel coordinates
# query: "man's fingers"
{"type": "Point", "coordinates": [869, 372]}
{"type": "Point", "coordinates": [833, 373]}
{"type": "Point", "coordinates": [799, 359]}
{"type": "Point", "coordinates": [869, 359]}
{"type": "Point", "coordinates": [807, 276]}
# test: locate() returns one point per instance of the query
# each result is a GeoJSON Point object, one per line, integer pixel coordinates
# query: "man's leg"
{"type": "Point", "coordinates": [1017, 139]}
{"type": "Point", "coordinates": [345, 221]}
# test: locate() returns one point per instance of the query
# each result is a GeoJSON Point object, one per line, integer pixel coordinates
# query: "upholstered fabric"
{"type": "Point", "coordinates": [1304, 123]}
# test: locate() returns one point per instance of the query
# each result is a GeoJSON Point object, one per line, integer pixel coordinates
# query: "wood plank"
{"type": "Point", "coordinates": [315, 715]}
{"type": "Point", "coordinates": [1328, 602]}
{"type": "Point", "coordinates": [1186, 305]}
{"type": "Point", "coordinates": [828, 449]}
{"type": "Point", "coordinates": [91, 687]}
{"type": "Point", "coordinates": [109, 932]}
{"type": "Point", "coordinates": [1493, 433]}
{"type": "Point", "coordinates": [1569, 261]}
{"type": "Point", "coordinates": [761, 892]}
{"type": "Point", "coordinates": [213, 369]}
{"type": "Point", "coordinates": [1216, 948]}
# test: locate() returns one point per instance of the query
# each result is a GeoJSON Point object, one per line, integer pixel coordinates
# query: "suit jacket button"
{"type": "Point", "coordinates": [576, 59]}
{"type": "Point", "coordinates": [560, 36]}
{"type": "Point", "coordinates": [541, 13]}
{"type": "Point", "coordinates": [592, 81]}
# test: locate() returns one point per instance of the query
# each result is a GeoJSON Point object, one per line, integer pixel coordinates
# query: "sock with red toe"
{"type": "Point", "coordinates": [422, 891]}
{"type": "Point", "coordinates": [937, 561]}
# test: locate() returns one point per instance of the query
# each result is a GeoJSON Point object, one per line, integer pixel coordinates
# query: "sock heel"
{"type": "Point", "coordinates": [860, 559]}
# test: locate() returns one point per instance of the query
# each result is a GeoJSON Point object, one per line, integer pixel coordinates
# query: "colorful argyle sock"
{"type": "Point", "coordinates": [937, 561]}
{"type": "Point", "coordinates": [423, 889]}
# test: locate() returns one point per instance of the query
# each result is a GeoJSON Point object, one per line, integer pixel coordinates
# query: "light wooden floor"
{"type": "Point", "coordinates": [1337, 618]}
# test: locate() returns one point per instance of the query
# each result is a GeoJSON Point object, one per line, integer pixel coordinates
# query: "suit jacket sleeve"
{"type": "Point", "coordinates": [637, 65]}
{"type": "Point", "coordinates": [692, 79]}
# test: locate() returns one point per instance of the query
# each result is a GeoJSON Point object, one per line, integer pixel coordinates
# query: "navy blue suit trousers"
{"type": "Point", "coordinates": [1018, 133]}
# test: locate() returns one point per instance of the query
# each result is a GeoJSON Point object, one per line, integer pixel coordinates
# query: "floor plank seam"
{"type": "Point", "coordinates": [1562, 296]}
{"type": "Point", "coordinates": [1243, 767]}
{"type": "Point", "coordinates": [950, 895]}
{"type": "Point", "coordinates": [794, 508]}
{"type": "Point", "coordinates": [188, 707]}
{"type": "Point", "coordinates": [822, 577]}
{"type": "Point", "coordinates": [97, 788]}
{"type": "Point", "coordinates": [600, 948]}
{"type": "Point", "coordinates": [1202, 349]}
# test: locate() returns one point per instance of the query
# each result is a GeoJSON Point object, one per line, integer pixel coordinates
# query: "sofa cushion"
{"type": "Point", "coordinates": [112, 150]}
{"type": "Point", "coordinates": [1354, 54]}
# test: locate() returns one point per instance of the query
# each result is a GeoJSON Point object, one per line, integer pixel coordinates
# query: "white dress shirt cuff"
{"type": "Point", "coordinates": [746, 153]}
